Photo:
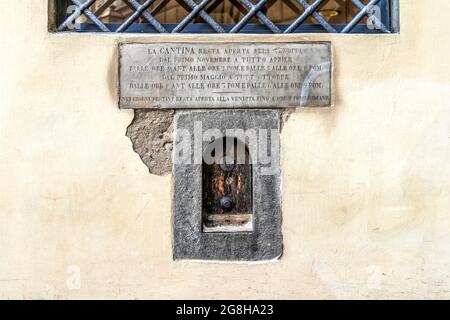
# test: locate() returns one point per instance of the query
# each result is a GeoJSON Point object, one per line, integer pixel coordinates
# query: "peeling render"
{"type": "Point", "coordinates": [151, 135]}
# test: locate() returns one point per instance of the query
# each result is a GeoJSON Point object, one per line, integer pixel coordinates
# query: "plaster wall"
{"type": "Point", "coordinates": [365, 184]}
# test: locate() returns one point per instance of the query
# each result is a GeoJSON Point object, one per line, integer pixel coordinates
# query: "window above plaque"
{"type": "Point", "coordinates": [224, 16]}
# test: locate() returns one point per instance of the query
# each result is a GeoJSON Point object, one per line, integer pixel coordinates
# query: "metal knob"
{"type": "Point", "coordinates": [226, 203]}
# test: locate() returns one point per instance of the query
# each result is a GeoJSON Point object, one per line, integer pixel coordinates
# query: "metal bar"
{"type": "Point", "coordinates": [377, 21]}
{"type": "Point", "coordinates": [394, 16]}
{"type": "Point", "coordinates": [91, 16]}
{"type": "Point", "coordinates": [216, 27]}
{"type": "Point", "coordinates": [199, 12]}
{"type": "Point", "coordinates": [61, 9]}
{"type": "Point", "coordinates": [75, 15]}
{"type": "Point", "coordinates": [308, 11]}
{"type": "Point", "coordinates": [359, 16]}
{"type": "Point", "coordinates": [318, 17]}
{"type": "Point", "coordinates": [205, 28]}
{"type": "Point", "coordinates": [262, 17]}
{"type": "Point", "coordinates": [135, 15]}
{"type": "Point", "coordinates": [190, 16]}
{"type": "Point", "coordinates": [186, 7]}
{"type": "Point", "coordinates": [155, 23]}
{"type": "Point", "coordinates": [255, 9]}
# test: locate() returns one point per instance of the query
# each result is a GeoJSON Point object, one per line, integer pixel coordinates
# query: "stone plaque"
{"type": "Point", "coordinates": [225, 75]}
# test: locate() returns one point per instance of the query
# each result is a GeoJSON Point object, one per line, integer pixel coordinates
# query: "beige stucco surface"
{"type": "Point", "coordinates": [366, 184]}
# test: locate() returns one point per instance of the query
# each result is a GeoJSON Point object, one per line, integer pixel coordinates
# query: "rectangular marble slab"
{"type": "Point", "coordinates": [225, 75]}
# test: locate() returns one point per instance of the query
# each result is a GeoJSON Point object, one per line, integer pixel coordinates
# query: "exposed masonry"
{"type": "Point", "coordinates": [151, 135]}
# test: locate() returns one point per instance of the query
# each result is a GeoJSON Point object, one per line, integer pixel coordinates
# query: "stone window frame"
{"type": "Point", "coordinates": [265, 242]}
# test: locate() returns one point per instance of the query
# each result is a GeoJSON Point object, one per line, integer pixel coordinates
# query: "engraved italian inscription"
{"type": "Point", "coordinates": [225, 75]}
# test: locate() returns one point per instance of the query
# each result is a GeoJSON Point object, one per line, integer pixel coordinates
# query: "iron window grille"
{"type": "Point", "coordinates": [225, 16]}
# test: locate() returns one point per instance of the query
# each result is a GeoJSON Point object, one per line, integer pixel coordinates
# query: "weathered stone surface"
{"type": "Point", "coordinates": [229, 75]}
{"type": "Point", "coordinates": [265, 241]}
{"type": "Point", "coordinates": [151, 135]}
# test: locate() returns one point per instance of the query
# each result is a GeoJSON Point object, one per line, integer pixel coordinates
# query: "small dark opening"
{"type": "Point", "coordinates": [227, 187]}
